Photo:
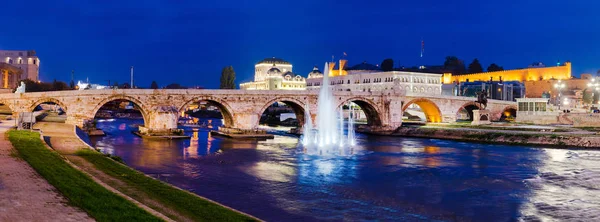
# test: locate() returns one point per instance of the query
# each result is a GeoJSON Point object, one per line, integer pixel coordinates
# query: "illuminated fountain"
{"type": "Point", "coordinates": [329, 136]}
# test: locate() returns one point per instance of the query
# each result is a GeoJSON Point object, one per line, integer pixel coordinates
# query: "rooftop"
{"type": "Point", "coordinates": [273, 60]}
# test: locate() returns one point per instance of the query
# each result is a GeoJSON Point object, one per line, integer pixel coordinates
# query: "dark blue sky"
{"type": "Point", "coordinates": [188, 42]}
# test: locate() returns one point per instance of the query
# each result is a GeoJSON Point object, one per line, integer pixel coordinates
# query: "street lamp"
{"type": "Point", "coordinates": [595, 86]}
{"type": "Point", "coordinates": [559, 85]}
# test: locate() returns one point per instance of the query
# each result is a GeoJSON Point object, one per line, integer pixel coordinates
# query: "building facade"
{"type": "Point", "coordinates": [533, 73]}
{"type": "Point", "coordinates": [27, 61]}
{"type": "Point", "coordinates": [499, 90]}
{"type": "Point", "coordinates": [535, 89]}
{"type": "Point", "coordinates": [274, 74]}
{"type": "Point", "coordinates": [409, 82]}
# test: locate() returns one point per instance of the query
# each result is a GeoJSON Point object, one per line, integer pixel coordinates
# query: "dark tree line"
{"type": "Point", "coordinates": [452, 64]}
{"type": "Point", "coordinates": [457, 66]}
{"type": "Point", "coordinates": [33, 86]}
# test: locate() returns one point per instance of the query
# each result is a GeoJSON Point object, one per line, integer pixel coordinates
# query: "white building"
{"type": "Point", "coordinates": [86, 86]}
{"type": "Point", "coordinates": [24, 60]}
{"type": "Point", "coordinates": [536, 111]}
{"type": "Point", "coordinates": [410, 82]}
{"type": "Point", "coordinates": [274, 74]}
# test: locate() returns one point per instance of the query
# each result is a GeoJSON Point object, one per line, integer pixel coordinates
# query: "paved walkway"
{"type": "Point", "coordinates": [25, 195]}
{"type": "Point", "coordinates": [514, 131]}
{"type": "Point", "coordinates": [62, 138]}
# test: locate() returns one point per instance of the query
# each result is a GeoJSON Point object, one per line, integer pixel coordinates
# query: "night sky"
{"type": "Point", "coordinates": [189, 42]}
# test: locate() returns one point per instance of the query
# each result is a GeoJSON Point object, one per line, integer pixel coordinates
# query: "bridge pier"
{"type": "Point", "coordinates": [77, 120]}
{"type": "Point", "coordinates": [161, 122]}
{"type": "Point", "coordinates": [448, 118]}
{"type": "Point", "coordinates": [245, 121]}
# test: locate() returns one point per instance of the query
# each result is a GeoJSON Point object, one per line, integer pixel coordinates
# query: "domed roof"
{"type": "Point", "coordinates": [364, 66]}
{"type": "Point", "coordinates": [315, 71]}
{"type": "Point", "coordinates": [274, 70]}
{"type": "Point", "coordinates": [273, 60]}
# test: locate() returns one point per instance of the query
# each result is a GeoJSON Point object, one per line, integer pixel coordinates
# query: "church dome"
{"type": "Point", "coordinates": [273, 61]}
{"type": "Point", "coordinates": [315, 73]}
{"type": "Point", "coordinates": [274, 71]}
{"type": "Point", "coordinates": [288, 73]}
{"type": "Point", "coordinates": [364, 66]}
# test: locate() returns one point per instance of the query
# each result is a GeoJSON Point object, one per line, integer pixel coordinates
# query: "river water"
{"type": "Point", "coordinates": [382, 179]}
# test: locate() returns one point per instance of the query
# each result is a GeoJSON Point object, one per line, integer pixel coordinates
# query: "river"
{"type": "Point", "coordinates": [383, 179]}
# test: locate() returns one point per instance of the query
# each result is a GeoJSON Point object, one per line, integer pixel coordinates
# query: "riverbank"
{"type": "Point", "coordinates": [25, 195]}
{"type": "Point", "coordinates": [172, 202]}
{"type": "Point", "coordinates": [77, 187]}
{"type": "Point", "coordinates": [526, 137]}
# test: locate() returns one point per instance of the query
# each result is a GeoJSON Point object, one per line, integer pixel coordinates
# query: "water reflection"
{"type": "Point", "coordinates": [384, 178]}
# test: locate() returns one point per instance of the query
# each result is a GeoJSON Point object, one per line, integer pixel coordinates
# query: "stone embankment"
{"type": "Point", "coordinates": [511, 137]}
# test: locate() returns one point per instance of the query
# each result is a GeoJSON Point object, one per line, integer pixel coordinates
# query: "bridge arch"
{"type": "Point", "coordinates": [467, 108]}
{"type": "Point", "coordinates": [369, 107]}
{"type": "Point", "coordinates": [296, 105]}
{"type": "Point", "coordinates": [228, 117]}
{"type": "Point", "coordinates": [430, 109]}
{"type": "Point", "coordinates": [141, 106]}
{"type": "Point", "coordinates": [47, 100]}
{"type": "Point", "coordinates": [509, 111]}
{"type": "Point", "coordinates": [6, 109]}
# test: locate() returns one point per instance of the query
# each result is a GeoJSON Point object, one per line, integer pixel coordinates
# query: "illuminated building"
{"type": "Point", "coordinates": [535, 89]}
{"type": "Point", "coordinates": [367, 78]}
{"type": "Point", "coordinates": [340, 71]}
{"type": "Point", "coordinates": [27, 61]}
{"type": "Point", "coordinates": [533, 73]}
{"type": "Point", "coordinates": [274, 74]}
{"type": "Point", "coordinates": [500, 90]}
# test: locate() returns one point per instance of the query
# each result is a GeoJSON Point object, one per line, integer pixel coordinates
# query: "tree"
{"type": "Point", "coordinates": [493, 68]}
{"type": "Point", "coordinates": [454, 65]}
{"type": "Point", "coordinates": [387, 65]}
{"type": "Point", "coordinates": [33, 86]}
{"type": "Point", "coordinates": [546, 95]}
{"type": "Point", "coordinates": [154, 85]}
{"type": "Point", "coordinates": [175, 86]}
{"type": "Point", "coordinates": [227, 78]}
{"type": "Point", "coordinates": [475, 67]}
{"type": "Point", "coordinates": [58, 85]}
{"type": "Point", "coordinates": [588, 96]}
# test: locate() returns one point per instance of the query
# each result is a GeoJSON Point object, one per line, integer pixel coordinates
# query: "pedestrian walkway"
{"type": "Point", "coordinates": [25, 195]}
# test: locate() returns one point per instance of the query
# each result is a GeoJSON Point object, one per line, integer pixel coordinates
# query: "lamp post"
{"type": "Point", "coordinates": [559, 85]}
{"type": "Point", "coordinates": [595, 86]}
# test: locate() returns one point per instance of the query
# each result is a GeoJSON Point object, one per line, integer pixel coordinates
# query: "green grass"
{"type": "Point", "coordinates": [183, 202]}
{"type": "Point", "coordinates": [77, 187]}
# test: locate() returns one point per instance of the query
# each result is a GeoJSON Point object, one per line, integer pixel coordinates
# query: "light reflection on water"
{"type": "Point", "coordinates": [386, 178]}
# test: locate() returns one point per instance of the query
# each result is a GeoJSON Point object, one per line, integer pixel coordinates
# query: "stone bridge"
{"type": "Point", "coordinates": [242, 108]}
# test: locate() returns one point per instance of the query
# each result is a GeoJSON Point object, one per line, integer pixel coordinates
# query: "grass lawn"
{"type": "Point", "coordinates": [183, 202]}
{"type": "Point", "coordinates": [77, 187]}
